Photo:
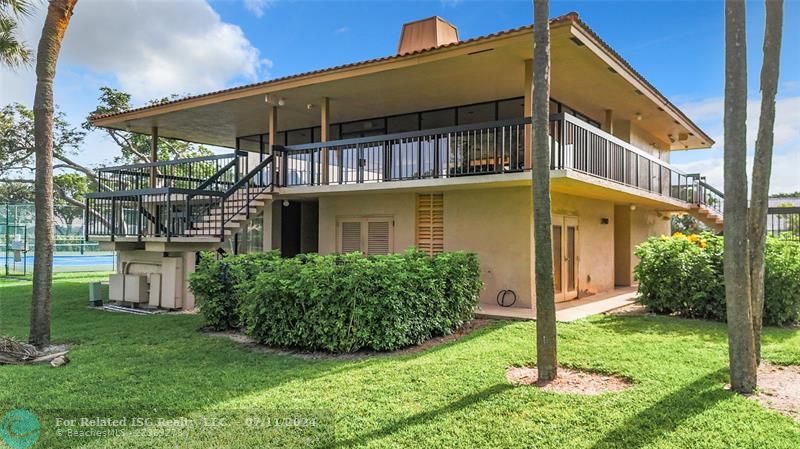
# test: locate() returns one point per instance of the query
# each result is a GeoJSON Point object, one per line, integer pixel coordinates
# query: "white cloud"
{"type": "Point", "coordinates": [257, 7]}
{"type": "Point", "coordinates": [156, 48]}
{"type": "Point", "coordinates": [150, 48]}
{"type": "Point", "coordinates": [786, 151]}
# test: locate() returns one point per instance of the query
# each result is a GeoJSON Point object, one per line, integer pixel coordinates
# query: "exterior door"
{"type": "Point", "coordinates": [565, 257]}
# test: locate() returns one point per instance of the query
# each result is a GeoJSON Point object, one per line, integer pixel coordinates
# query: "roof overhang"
{"type": "Point", "coordinates": [475, 70]}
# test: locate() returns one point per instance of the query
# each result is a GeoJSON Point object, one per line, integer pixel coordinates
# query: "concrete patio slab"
{"type": "Point", "coordinates": [567, 311]}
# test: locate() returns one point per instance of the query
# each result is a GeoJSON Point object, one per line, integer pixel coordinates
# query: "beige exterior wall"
{"type": "Point", "coordinates": [496, 224]}
{"type": "Point", "coordinates": [401, 206]}
{"type": "Point", "coordinates": [647, 142]}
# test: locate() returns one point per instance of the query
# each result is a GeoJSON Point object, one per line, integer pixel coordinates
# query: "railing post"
{"type": "Point", "coordinates": [139, 218]}
{"type": "Point", "coordinates": [113, 218]}
{"type": "Point", "coordinates": [86, 223]}
{"type": "Point", "coordinates": [169, 216]}
{"type": "Point", "coordinates": [222, 219]}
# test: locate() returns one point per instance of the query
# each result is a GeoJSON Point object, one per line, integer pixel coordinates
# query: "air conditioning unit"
{"type": "Point", "coordinates": [128, 288]}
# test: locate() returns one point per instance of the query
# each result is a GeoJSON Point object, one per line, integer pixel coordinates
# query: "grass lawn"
{"type": "Point", "coordinates": [453, 395]}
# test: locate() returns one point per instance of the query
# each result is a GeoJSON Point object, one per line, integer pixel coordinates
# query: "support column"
{"type": "Point", "coordinates": [153, 156]}
{"type": "Point", "coordinates": [324, 126]}
{"type": "Point", "coordinates": [608, 122]}
{"type": "Point", "coordinates": [528, 112]}
{"type": "Point", "coordinates": [273, 131]}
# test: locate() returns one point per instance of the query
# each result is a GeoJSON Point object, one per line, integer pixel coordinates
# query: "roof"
{"type": "Point", "coordinates": [571, 18]}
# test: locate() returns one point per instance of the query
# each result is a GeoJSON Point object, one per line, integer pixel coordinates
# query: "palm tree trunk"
{"type": "Point", "coordinates": [741, 350]}
{"type": "Point", "coordinates": [59, 13]}
{"type": "Point", "coordinates": [762, 163]}
{"type": "Point", "coordinates": [546, 358]}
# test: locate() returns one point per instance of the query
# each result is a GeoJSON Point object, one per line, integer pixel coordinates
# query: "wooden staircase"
{"type": "Point", "coordinates": [238, 208]}
{"type": "Point", "coordinates": [707, 216]}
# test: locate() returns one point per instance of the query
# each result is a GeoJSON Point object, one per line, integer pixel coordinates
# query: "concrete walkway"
{"type": "Point", "coordinates": [567, 311]}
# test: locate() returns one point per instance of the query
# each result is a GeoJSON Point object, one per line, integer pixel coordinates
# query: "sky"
{"type": "Point", "coordinates": [155, 48]}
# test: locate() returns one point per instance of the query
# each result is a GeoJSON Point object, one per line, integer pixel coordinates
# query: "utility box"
{"type": "Point", "coordinates": [128, 288]}
{"type": "Point", "coordinates": [155, 290]}
{"type": "Point", "coordinates": [96, 294]}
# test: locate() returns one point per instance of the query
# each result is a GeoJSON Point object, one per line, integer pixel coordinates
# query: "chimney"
{"type": "Point", "coordinates": [426, 33]}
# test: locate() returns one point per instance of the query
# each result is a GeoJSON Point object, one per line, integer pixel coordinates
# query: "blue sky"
{"type": "Point", "coordinates": [153, 48]}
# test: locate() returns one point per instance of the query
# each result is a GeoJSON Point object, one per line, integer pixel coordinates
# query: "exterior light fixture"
{"type": "Point", "coordinates": [309, 106]}
{"type": "Point", "coordinates": [633, 207]}
{"type": "Point", "coordinates": [639, 116]}
{"type": "Point", "coordinates": [281, 102]}
{"type": "Point", "coordinates": [285, 203]}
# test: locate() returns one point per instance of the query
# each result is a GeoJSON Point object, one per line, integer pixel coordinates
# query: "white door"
{"type": "Point", "coordinates": [565, 257]}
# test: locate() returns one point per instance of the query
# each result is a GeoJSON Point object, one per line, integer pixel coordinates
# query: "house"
{"type": "Point", "coordinates": [429, 147]}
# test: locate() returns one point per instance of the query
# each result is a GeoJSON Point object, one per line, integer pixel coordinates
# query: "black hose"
{"type": "Point", "coordinates": [502, 295]}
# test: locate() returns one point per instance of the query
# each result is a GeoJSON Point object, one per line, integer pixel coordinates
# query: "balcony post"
{"type": "Point", "coordinates": [273, 131]}
{"type": "Point", "coordinates": [324, 127]}
{"type": "Point", "coordinates": [153, 156]}
{"type": "Point", "coordinates": [528, 112]}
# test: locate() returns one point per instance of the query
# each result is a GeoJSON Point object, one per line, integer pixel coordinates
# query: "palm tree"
{"type": "Point", "coordinates": [59, 13]}
{"type": "Point", "coordinates": [741, 344]}
{"type": "Point", "coordinates": [762, 163]}
{"type": "Point", "coordinates": [546, 359]}
{"type": "Point", "coordinates": [13, 52]}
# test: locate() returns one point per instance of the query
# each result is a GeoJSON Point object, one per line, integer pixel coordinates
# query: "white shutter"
{"type": "Point", "coordinates": [378, 237]}
{"type": "Point", "coordinates": [350, 239]}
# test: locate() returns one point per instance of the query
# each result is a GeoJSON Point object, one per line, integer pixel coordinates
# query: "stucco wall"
{"type": "Point", "coordinates": [399, 205]}
{"type": "Point", "coordinates": [496, 224]}
{"type": "Point", "coordinates": [645, 223]}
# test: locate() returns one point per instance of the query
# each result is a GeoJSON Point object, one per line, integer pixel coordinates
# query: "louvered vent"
{"type": "Point", "coordinates": [430, 223]}
{"type": "Point", "coordinates": [351, 236]}
{"type": "Point", "coordinates": [378, 238]}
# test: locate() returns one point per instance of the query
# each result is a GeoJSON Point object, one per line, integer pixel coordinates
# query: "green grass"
{"type": "Point", "coordinates": [453, 395]}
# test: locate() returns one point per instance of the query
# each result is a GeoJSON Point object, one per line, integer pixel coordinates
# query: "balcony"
{"type": "Point", "coordinates": [487, 148]}
{"type": "Point", "coordinates": [212, 196]}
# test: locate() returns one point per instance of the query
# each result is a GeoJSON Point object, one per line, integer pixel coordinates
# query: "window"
{"type": "Point", "coordinates": [430, 223]}
{"type": "Point", "coordinates": [478, 113]}
{"type": "Point", "coordinates": [369, 235]}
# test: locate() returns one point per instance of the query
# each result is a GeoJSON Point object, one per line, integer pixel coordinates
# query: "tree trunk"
{"type": "Point", "coordinates": [546, 358]}
{"type": "Point", "coordinates": [762, 164]}
{"type": "Point", "coordinates": [59, 13]}
{"type": "Point", "coordinates": [741, 348]}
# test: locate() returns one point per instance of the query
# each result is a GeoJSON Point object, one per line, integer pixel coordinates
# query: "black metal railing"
{"type": "Point", "coordinates": [171, 212]}
{"type": "Point", "coordinates": [486, 148]}
{"type": "Point", "coordinates": [579, 146]}
{"type": "Point", "coordinates": [217, 172]}
{"type": "Point", "coordinates": [784, 221]}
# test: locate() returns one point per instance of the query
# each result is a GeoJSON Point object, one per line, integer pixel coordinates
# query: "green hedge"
{"type": "Point", "coordinates": [218, 283]}
{"type": "Point", "coordinates": [683, 275]}
{"type": "Point", "coordinates": [339, 303]}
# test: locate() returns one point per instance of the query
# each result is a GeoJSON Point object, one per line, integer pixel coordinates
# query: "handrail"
{"type": "Point", "coordinates": [261, 165]}
{"type": "Point", "coordinates": [612, 138]}
{"type": "Point", "coordinates": [153, 191]}
{"type": "Point", "coordinates": [409, 134]}
{"type": "Point", "coordinates": [218, 174]}
{"type": "Point", "coordinates": [211, 157]}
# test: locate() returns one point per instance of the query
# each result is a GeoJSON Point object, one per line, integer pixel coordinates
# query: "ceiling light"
{"type": "Point", "coordinates": [281, 102]}
{"type": "Point", "coordinates": [639, 116]}
{"type": "Point", "coordinates": [309, 106]}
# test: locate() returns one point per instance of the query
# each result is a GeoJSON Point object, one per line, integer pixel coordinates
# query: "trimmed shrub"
{"type": "Point", "coordinates": [683, 275]}
{"type": "Point", "coordinates": [217, 285]}
{"type": "Point", "coordinates": [343, 303]}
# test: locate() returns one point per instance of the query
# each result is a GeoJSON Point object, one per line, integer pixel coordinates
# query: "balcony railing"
{"type": "Point", "coordinates": [486, 148]}
{"type": "Point", "coordinates": [578, 146]}
{"type": "Point", "coordinates": [216, 172]}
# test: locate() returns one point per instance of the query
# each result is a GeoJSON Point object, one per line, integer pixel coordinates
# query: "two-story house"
{"type": "Point", "coordinates": [429, 147]}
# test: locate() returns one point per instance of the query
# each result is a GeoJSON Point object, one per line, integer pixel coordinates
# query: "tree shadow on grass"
{"type": "Point", "coordinates": [424, 417]}
{"type": "Point", "coordinates": [666, 415]}
{"type": "Point", "coordinates": [709, 331]}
